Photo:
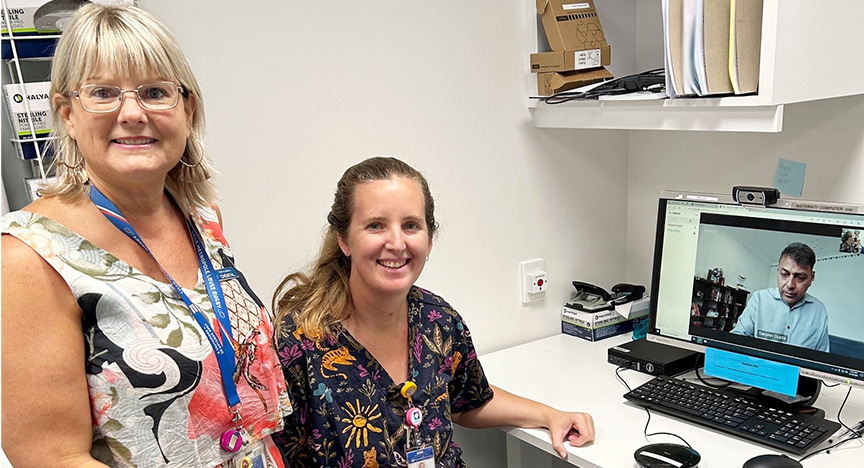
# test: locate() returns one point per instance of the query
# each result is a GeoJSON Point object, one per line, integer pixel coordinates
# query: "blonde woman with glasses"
{"type": "Point", "coordinates": [129, 336]}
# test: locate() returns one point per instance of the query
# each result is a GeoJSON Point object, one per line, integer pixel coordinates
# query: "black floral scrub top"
{"type": "Point", "coordinates": [349, 413]}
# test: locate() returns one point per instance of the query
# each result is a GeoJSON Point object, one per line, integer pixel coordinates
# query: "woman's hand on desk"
{"type": "Point", "coordinates": [576, 428]}
{"type": "Point", "coordinates": [507, 409]}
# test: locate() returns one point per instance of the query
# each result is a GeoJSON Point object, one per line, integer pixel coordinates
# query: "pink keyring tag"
{"type": "Point", "coordinates": [231, 440]}
{"type": "Point", "coordinates": [414, 417]}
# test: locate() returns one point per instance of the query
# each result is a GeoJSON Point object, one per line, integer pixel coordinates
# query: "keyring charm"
{"type": "Point", "coordinates": [414, 416]}
{"type": "Point", "coordinates": [408, 389]}
{"type": "Point", "coordinates": [231, 440]}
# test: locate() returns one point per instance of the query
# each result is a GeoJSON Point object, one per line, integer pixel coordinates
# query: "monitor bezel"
{"type": "Point", "coordinates": [816, 364]}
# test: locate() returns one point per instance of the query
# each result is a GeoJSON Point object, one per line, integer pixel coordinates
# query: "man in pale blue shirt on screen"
{"type": "Point", "coordinates": [787, 314]}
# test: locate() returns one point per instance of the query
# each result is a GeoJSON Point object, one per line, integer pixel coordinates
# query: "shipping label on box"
{"type": "Point", "coordinates": [570, 60]}
{"type": "Point", "coordinates": [595, 326]}
{"type": "Point", "coordinates": [38, 99]}
{"type": "Point", "coordinates": [43, 16]}
{"type": "Point", "coordinates": [571, 25]}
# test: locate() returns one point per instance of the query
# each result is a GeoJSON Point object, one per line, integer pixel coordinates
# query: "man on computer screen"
{"type": "Point", "coordinates": [787, 314]}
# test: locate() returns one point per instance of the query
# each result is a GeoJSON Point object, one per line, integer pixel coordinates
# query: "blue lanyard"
{"type": "Point", "coordinates": [224, 354]}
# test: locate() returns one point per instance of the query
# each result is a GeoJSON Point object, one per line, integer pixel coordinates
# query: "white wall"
{"type": "Point", "coordinates": [840, 284]}
{"type": "Point", "coordinates": [721, 247]}
{"type": "Point", "coordinates": [298, 91]}
{"type": "Point", "coordinates": [825, 135]}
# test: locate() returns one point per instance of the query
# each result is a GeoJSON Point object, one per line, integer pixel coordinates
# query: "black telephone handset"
{"type": "Point", "coordinates": [592, 289]}
{"type": "Point", "coordinates": [593, 298]}
{"type": "Point", "coordinates": [590, 298]}
{"type": "Point", "coordinates": [623, 293]}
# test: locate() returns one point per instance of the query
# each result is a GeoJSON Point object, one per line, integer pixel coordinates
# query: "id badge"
{"type": "Point", "coordinates": [423, 457]}
{"type": "Point", "coordinates": [251, 457]}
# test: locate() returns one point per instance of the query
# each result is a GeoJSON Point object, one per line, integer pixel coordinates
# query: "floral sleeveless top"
{"type": "Point", "coordinates": [156, 393]}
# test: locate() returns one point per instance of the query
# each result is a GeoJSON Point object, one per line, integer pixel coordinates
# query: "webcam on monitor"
{"type": "Point", "coordinates": [763, 196]}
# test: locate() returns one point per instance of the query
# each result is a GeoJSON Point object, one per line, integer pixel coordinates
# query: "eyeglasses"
{"type": "Point", "coordinates": [102, 99]}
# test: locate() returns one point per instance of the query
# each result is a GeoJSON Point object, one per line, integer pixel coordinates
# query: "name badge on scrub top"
{"type": "Point", "coordinates": [423, 457]}
{"type": "Point", "coordinates": [416, 454]}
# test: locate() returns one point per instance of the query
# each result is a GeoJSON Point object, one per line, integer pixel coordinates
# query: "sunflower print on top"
{"type": "Point", "coordinates": [349, 413]}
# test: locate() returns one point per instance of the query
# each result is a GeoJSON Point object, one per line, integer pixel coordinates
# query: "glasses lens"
{"type": "Point", "coordinates": [99, 98]}
{"type": "Point", "coordinates": [153, 96]}
{"type": "Point", "coordinates": [158, 96]}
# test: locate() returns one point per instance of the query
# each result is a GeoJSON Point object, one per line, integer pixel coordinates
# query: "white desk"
{"type": "Point", "coordinates": [572, 374]}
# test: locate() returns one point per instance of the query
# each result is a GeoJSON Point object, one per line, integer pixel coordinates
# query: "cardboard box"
{"type": "Point", "coordinates": [570, 60]}
{"type": "Point", "coordinates": [40, 114]}
{"type": "Point", "coordinates": [594, 326]}
{"type": "Point", "coordinates": [42, 16]}
{"type": "Point", "coordinates": [555, 82]}
{"type": "Point", "coordinates": [571, 25]}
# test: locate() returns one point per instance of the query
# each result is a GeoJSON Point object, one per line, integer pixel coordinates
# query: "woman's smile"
{"type": "Point", "coordinates": [388, 240]}
{"type": "Point", "coordinates": [393, 264]}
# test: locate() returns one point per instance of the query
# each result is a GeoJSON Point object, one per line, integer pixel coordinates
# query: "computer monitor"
{"type": "Point", "coordinates": [714, 258]}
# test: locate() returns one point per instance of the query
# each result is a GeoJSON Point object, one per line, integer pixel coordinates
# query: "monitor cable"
{"type": "Point", "coordinates": [700, 363]}
{"type": "Point", "coordinates": [645, 430]}
{"type": "Point", "coordinates": [852, 433]}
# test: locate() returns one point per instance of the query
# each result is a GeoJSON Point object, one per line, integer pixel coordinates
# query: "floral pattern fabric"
{"type": "Point", "coordinates": [349, 413]}
{"type": "Point", "coordinates": [156, 392]}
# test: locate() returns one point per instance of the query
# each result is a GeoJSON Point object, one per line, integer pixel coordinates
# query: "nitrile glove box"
{"type": "Point", "coordinates": [38, 99]}
{"type": "Point", "coordinates": [595, 326]}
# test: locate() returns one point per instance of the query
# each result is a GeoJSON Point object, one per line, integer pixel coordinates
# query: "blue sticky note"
{"type": "Point", "coordinates": [790, 177]}
{"type": "Point", "coordinates": [747, 370]}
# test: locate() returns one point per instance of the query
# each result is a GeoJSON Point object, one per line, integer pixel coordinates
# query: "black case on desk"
{"type": "Point", "coordinates": [653, 358]}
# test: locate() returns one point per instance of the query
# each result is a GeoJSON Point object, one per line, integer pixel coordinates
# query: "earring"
{"type": "Point", "coordinates": [77, 165]}
{"type": "Point", "coordinates": [190, 165]}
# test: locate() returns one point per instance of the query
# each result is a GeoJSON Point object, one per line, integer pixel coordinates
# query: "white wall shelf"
{"type": "Point", "coordinates": [719, 115]}
{"type": "Point", "coordinates": [806, 55]}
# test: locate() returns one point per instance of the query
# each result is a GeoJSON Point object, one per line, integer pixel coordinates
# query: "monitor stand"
{"type": "Point", "coordinates": [808, 391]}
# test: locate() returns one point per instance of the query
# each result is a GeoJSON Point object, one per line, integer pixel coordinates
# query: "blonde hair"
{"type": "Point", "coordinates": [319, 300]}
{"type": "Point", "coordinates": [128, 41]}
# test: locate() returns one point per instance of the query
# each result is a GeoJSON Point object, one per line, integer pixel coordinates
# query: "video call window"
{"type": "Point", "coordinates": [740, 281]}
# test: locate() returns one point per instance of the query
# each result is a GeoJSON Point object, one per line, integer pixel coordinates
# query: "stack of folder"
{"type": "Point", "coordinates": [711, 46]}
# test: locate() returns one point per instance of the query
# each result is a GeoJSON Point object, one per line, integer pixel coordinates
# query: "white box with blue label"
{"type": "Point", "coordinates": [594, 326]}
{"type": "Point", "coordinates": [39, 102]}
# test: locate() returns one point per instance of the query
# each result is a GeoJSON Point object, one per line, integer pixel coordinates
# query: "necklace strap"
{"type": "Point", "coordinates": [221, 342]}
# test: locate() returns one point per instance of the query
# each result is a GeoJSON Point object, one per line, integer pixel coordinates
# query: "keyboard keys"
{"type": "Point", "coordinates": [736, 415]}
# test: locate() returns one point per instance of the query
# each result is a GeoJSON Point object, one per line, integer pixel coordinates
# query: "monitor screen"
{"type": "Point", "coordinates": [783, 283]}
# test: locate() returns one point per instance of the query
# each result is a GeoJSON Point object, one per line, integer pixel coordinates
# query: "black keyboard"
{"type": "Point", "coordinates": [741, 417]}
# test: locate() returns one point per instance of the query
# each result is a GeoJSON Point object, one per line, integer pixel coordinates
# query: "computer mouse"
{"type": "Point", "coordinates": [667, 456]}
{"type": "Point", "coordinates": [772, 461]}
